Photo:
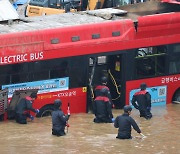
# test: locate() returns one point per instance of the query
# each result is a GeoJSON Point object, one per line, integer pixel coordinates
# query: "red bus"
{"type": "Point", "coordinates": [64, 56]}
{"type": "Point", "coordinates": [171, 1]}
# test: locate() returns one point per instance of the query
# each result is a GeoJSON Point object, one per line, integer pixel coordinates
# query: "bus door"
{"type": "Point", "coordinates": [114, 67]}
{"type": "Point", "coordinates": [97, 69]}
{"type": "Point", "coordinates": [109, 66]}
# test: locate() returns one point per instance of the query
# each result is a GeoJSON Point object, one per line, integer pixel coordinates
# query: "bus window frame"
{"type": "Point", "coordinates": [154, 66]}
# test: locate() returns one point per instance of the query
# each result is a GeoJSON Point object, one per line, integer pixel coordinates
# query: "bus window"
{"type": "Point", "coordinates": [39, 71]}
{"type": "Point", "coordinates": [16, 69]}
{"type": "Point", "coordinates": [150, 61]}
{"type": "Point", "coordinates": [59, 68]}
{"type": "Point", "coordinates": [101, 60]}
{"type": "Point", "coordinates": [49, 69]}
{"type": "Point", "coordinates": [77, 72]}
{"type": "Point", "coordinates": [16, 73]}
{"type": "Point", "coordinates": [174, 65]}
{"type": "Point", "coordinates": [4, 75]}
{"type": "Point", "coordinates": [176, 48]}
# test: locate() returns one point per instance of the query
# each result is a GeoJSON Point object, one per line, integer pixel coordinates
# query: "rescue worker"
{"type": "Point", "coordinates": [102, 108]}
{"type": "Point", "coordinates": [142, 101]}
{"type": "Point", "coordinates": [103, 85]}
{"type": "Point", "coordinates": [124, 123]}
{"type": "Point", "coordinates": [24, 107]}
{"type": "Point", "coordinates": [59, 119]}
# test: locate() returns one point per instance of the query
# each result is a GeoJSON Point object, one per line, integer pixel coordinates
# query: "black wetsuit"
{"type": "Point", "coordinates": [124, 123]}
{"type": "Point", "coordinates": [98, 93]}
{"type": "Point", "coordinates": [59, 121]}
{"type": "Point", "coordinates": [23, 109]}
{"type": "Point", "coordinates": [102, 110]}
{"type": "Point", "coordinates": [143, 99]}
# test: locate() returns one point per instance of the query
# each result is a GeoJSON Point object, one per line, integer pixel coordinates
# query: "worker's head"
{"type": "Point", "coordinates": [104, 80]}
{"type": "Point", "coordinates": [127, 109]}
{"type": "Point", "coordinates": [57, 103]}
{"type": "Point", "coordinates": [104, 92]}
{"type": "Point", "coordinates": [143, 86]}
{"type": "Point", "coordinates": [33, 95]}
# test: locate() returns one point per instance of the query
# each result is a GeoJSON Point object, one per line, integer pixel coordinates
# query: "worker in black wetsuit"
{"type": "Point", "coordinates": [142, 101]}
{"type": "Point", "coordinates": [124, 123]}
{"type": "Point", "coordinates": [102, 108]}
{"type": "Point", "coordinates": [102, 86]}
{"type": "Point", "coordinates": [24, 107]}
{"type": "Point", "coordinates": [59, 119]}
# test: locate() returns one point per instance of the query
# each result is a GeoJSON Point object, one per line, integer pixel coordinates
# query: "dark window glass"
{"type": "Point", "coordinates": [74, 68]}
{"type": "Point", "coordinates": [15, 73]}
{"type": "Point", "coordinates": [5, 74]}
{"type": "Point", "coordinates": [78, 71]}
{"type": "Point", "coordinates": [59, 68]}
{"type": "Point", "coordinates": [49, 69]}
{"type": "Point", "coordinates": [174, 58]}
{"type": "Point", "coordinates": [174, 67]}
{"type": "Point", "coordinates": [176, 48]}
{"type": "Point", "coordinates": [150, 61]}
{"type": "Point", "coordinates": [38, 71]}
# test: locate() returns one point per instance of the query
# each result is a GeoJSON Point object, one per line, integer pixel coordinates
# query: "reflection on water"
{"type": "Point", "coordinates": [86, 137]}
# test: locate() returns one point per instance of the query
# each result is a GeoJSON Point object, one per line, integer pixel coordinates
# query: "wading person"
{"type": "Point", "coordinates": [102, 108]}
{"type": "Point", "coordinates": [59, 119]}
{"type": "Point", "coordinates": [103, 85]}
{"type": "Point", "coordinates": [24, 107]}
{"type": "Point", "coordinates": [142, 101]}
{"type": "Point", "coordinates": [124, 123]}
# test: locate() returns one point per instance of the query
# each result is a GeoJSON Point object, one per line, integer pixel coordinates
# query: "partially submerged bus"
{"type": "Point", "coordinates": [64, 56]}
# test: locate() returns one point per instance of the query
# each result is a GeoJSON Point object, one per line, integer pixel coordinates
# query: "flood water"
{"type": "Point", "coordinates": [86, 137]}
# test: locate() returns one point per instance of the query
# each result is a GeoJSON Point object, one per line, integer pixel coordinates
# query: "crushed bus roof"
{"type": "Point", "coordinates": [79, 18]}
{"type": "Point", "coordinates": [53, 21]}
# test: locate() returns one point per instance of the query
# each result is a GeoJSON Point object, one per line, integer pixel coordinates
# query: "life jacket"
{"type": "Point", "coordinates": [102, 98]}
{"type": "Point", "coordinates": [141, 92]}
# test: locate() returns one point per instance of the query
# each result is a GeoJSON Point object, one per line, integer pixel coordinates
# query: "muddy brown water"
{"type": "Point", "coordinates": [86, 137]}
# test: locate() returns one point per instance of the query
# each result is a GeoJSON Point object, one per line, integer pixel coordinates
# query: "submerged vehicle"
{"type": "Point", "coordinates": [65, 55]}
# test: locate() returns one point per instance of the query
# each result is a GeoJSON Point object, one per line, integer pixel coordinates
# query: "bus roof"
{"type": "Point", "coordinates": [61, 20]}
{"type": "Point", "coordinates": [80, 18]}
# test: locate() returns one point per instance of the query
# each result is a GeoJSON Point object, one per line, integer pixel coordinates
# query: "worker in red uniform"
{"type": "Point", "coordinates": [24, 107]}
{"type": "Point", "coordinates": [103, 85]}
{"type": "Point", "coordinates": [142, 101]}
{"type": "Point", "coordinates": [102, 108]}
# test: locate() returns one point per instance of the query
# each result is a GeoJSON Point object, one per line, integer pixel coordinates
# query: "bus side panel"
{"type": "Point", "coordinates": [33, 45]}
{"type": "Point", "coordinates": [77, 98]}
{"type": "Point", "coordinates": [162, 25]}
{"type": "Point", "coordinates": [83, 33]}
{"type": "Point", "coordinates": [172, 82]}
